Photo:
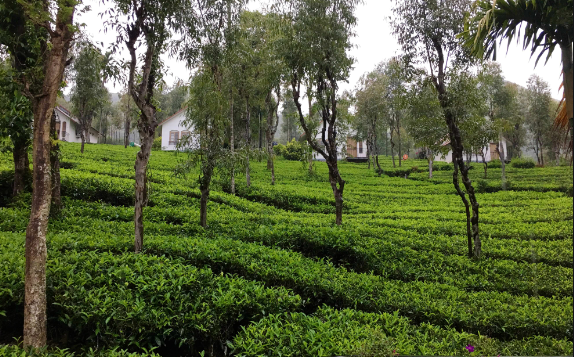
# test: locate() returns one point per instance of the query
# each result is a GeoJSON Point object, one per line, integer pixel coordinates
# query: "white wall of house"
{"type": "Point", "coordinates": [477, 158]}
{"type": "Point", "coordinates": [70, 131]}
{"type": "Point", "coordinates": [172, 130]}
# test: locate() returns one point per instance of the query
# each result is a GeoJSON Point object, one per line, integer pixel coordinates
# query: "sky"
{"type": "Point", "coordinates": [374, 43]}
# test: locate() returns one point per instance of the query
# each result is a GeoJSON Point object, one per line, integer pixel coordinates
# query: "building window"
{"type": "Point", "coordinates": [173, 137]}
{"type": "Point", "coordinates": [63, 135]}
{"type": "Point", "coordinates": [360, 147]}
{"type": "Point", "coordinates": [184, 134]}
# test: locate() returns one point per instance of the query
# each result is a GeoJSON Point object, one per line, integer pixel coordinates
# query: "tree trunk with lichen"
{"type": "Point", "coordinates": [35, 321]}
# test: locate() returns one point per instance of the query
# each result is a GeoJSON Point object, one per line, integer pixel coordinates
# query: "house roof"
{"type": "Point", "coordinates": [171, 117]}
{"type": "Point", "coordinates": [68, 113]}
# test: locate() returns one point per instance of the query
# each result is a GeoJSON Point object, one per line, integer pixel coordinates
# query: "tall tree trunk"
{"type": "Point", "coordinates": [379, 170]}
{"type": "Point", "coordinates": [272, 129]}
{"type": "Point", "coordinates": [457, 154]}
{"type": "Point", "coordinates": [484, 163]}
{"type": "Point", "coordinates": [541, 151]}
{"type": "Point", "coordinates": [466, 205]}
{"type": "Point", "coordinates": [502, 157]}
{"type": "Point", "coordinates": [329, 153]}
{"type": "Point", "coordinates": [338, 186]}
{"type": "Point", "coordinates": [141, 198]}
{"type": "Point", "coordinates": [87, 133]}
{"type": "Point", "coordinates": [22, 173]}
{"type": "Point", "coordinates": [248, 128]}
{"type": "Point", "coordinates": [82, 138]}
{"type": "Point", "coordinates": [369, 149]}
{"type": "Point", "coordinates": [55, 164]}
{"type": "Point", "coordinates": [399, 138]}
{"type": "Point", "coordinates": [430, 160]}
{"type": "Point", "coordinates": [232, 145]}
{"type": "Point", "coordinates": [568, 81]}
{"type": "Point", "coordinates": [127, 128]}
{"type": "Point", "coordinates": [393, 149]}
{"type": "Point", "coordinates": [35, 322]}
{"type": "Point", "coordinates": [260, 133]}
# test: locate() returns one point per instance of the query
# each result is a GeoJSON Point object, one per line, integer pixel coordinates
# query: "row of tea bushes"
{"type": "Point", "coordinates": [318, 282]}
{"type": "Point", "coordinates": [331, 332]}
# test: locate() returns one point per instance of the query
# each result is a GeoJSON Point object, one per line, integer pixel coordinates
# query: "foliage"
{"type": "Point", "coordinates": [279, 149]}
{"type": "Point", "coordinates": [523, 163]}
{"type": "Point", "coordinates": [541, 24]}
{"type": "Point", "coordinates": [156, 144]}
{"type": "Point", "coordinates": [268, 269]}
{"type": "Point", "coordinates": [295, 151]}
{"type": "Point", "coordinates": [88, 91]}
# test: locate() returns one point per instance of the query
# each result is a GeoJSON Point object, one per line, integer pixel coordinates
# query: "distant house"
{"type": "Point", "coordinates": [352, 149]}
{"type": "Point", "coordinates": [356, 149]}
{"type": "Point", "coordinates": [68, 127]}
{"type": "Point", "coordinates": [173, 130]}
{"type": "Point", "coordinates": [490, 153]}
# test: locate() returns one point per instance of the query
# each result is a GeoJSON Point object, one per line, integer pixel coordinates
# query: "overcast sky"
{"type": "Point", "coordinates": [374, 43]}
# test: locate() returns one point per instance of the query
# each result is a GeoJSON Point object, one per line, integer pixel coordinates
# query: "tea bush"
{"type": "Point", "coordinates": [523, 163]}
{"type": "Point", "coordinates": [271, 273]}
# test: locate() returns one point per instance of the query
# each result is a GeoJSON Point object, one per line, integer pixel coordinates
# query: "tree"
{"type": "Point", "coordinates": [425, 120]}
{"type": "Point", "coordinates": [38, 37]}
{"type": "Point", "coordinates": [512, 118]}
{"type": "Point", "coordinates": [262, 73]}
{"type": "Point", "coordinates": [317, 37]}
{"type": "Point", "coordinates": [130, 113]}
{"type": "Point", "coordinates": [88, 91]}
{"type": "Point", "coordinates": [428, 30]}
{"type": "Point", "coordinates": [207, 114]}
{"type": "Point", "coordinates": [497, 101]}
{"type": "Point", "coordinates": [16, 122]}
{"type": "Point", "coordinates": [371, 109]}
{"type": "Point", "coordinates": [149, 27]}
{"type": "Point", "coordinates": [397, 71]}
{"type": "Point", "coordinates": [538, 117]}
{"type": "Point", "coordinates": [208, 105]}
{"type": "Point", "coordinates": [546, 24]}
{"type": "Point", "coordinates": [289, 116]}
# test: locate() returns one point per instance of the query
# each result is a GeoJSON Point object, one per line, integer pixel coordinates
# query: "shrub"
{"type": "Point", "coordinates": [523, 163]}
{"type": "Point", "coordinates": [481, 186]}
{"type": "Point", "coordinates": [295, 151]}
{"type": "Point", "coordinates": [279, 149]}
{"type": "Point", "coordinates": [156, 143]}
{"type": "Point", "coordinates": [415, 169]}
{"type": "Point", "coordinates": [495, 164]}
{"type": "Point", "coordinates": [447, 167]}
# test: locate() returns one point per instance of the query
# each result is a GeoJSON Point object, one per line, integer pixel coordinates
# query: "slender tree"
{"type": "Point", "coordinates": [428, 30]}
{"type": "Point", "coordinates": [425, 120]}
{"type": "Point", "coordinates": [149, 28]}
{"type": "Point", "coordinates": [208, 105]}
{"type": "Point", "coordinates": [88, 91]}
{"type": "Point", "coordinates": [538, 117]}
{"type": "Point", "coordinates": [317, 36]}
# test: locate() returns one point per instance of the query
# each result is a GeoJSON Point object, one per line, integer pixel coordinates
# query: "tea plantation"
{"type": "Point", "coordinates": [273, 276]}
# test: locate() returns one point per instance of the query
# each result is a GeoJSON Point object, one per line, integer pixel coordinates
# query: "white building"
{"type": "Point", "coordinates": [68, 127]}
{"type": "Point", "coordinates": [351, 149]}
{"type": "Point", "coordinates": [172, 130]}
{"type": "Point", "coordinates": [356, 149]}
{"type": "Point", "coordinates": [490, 153]}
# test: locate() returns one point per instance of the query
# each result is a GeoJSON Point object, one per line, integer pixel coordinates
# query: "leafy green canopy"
{"type": "Point", "coordinates": [542, 24]}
